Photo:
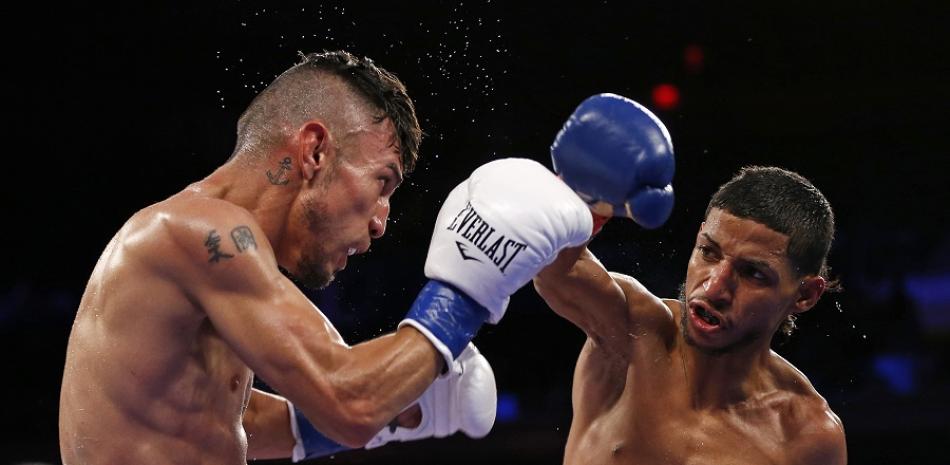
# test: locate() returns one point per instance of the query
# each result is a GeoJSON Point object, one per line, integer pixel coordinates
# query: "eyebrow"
{"type": "Point", "coordinates": [751, 261]}
{"type": "Point", "coordinates": [398, 173]}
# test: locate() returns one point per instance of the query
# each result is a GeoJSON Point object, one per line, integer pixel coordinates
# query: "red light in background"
{"type": "Point", "coordinates": [694, 58]}
{"type": "Point", "coordinates": [666, 96]}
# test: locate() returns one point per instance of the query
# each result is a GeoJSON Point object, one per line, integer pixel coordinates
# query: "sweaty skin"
{"type": "Point", "coordinates": [647, 393]}
{"type": "Point", "coordinates": [187, 303]}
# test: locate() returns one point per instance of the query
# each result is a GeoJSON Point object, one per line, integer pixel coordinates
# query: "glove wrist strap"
{"type": "Point", "coordinates": [447, 317]}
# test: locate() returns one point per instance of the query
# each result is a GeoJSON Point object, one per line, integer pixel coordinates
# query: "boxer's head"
{"type": "Point", "coordinates": [340, 133]}
{"type": "Point", "coordinates": [760, 258]}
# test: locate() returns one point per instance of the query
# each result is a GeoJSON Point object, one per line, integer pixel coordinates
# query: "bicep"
{"type": "Point", "coordinates": [233, 278]}
{"type": "Point", "coordinates": [271, 325]}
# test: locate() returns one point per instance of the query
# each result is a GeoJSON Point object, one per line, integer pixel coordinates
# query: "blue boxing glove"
{"type": "Point", "coordinates": [618, 157]}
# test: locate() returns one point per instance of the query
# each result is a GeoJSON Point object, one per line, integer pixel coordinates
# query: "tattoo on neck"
{"type": "Point", "coordinates": [280, 178]}
{"type": "Point", "coordinates": [213, 244]}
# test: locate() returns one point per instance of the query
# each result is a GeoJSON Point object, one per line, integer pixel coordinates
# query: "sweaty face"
{"type": "Point", "coordinates": [739, 284]}
{"type": "Point", "coordinates": [349, 205]}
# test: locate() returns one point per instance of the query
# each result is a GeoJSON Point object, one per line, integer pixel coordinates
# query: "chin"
{"type": "Point", "coordinates": [318, 281]}
{"type": "Point", "coordinates": [707, 345]}
{"type": "Point", "coordinates": [720, 347]}
{"type": "Point", "coordinates": [312, 276]}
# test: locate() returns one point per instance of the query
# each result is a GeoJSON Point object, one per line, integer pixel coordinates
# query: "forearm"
{"type": "Point", "coordinates": [267, 425]}
{"type": "Point", "coordinates": [575, 281]}
{"type": "Point", "coordinates": [370, 384]}
{"type": "Point", "coordinates": [578, 288]}
{"type": "Point", "coordinates": [560, 269]}
{"type": "Point", "coordinates": [390, 372]}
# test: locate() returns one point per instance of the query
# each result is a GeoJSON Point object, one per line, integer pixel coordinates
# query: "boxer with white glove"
{"type": "Point", "coordinates": [463, 399]}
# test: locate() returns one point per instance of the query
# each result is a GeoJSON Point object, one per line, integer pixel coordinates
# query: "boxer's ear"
{"type": "Point", "coordinates": [314, 142]}
{"type": "Point", "coordinates": [810, 290]}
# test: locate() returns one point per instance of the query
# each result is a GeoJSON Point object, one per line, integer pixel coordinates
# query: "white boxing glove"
{"type": "Point", "coordinates": [464, 399]}
{"type": "Point", "coordinates": [494, 233]}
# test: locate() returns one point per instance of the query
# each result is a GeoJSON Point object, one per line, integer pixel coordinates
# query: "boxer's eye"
{"type": "Point", "coordinates": [706, 252]}
{"type": "Point", "coordinates": [755, 274]}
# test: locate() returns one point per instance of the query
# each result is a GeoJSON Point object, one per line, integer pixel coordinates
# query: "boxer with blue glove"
{"type": "Point", "coordinates": [691, 379]}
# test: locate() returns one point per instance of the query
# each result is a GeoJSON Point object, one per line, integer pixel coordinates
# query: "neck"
{"type": "Point", "coordinates": [724, 379]}
{"type": "Point", "coordinates": [264, 188]}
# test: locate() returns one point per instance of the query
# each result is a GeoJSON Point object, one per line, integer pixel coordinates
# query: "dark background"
{"type": "Point", "coordinates": [114, 107]}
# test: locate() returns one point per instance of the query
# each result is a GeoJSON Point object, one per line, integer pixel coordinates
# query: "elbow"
{"type": "Point", "coordinates": [356, 438]}
{"type": "Point", "coordinates": [361, 411]}
{"type": "Point", "coordinates": [348, 425]}
{"type": "Point", "coordinates": [361, 422]}
{"type": "Point", "coordinates": [346, 398]}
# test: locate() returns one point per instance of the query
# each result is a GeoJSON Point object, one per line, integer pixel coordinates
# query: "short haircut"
{"type": "Point", "coordinates": [789, 204]}
{"type": "Point", "coordinates": [305, 90]}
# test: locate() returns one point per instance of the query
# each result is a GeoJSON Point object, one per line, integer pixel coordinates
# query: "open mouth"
{"type": "Point", "coordinates": [707, 317]}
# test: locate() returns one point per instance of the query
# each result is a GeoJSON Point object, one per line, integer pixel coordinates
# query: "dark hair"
{"type": "Point", "coordinates": [295, 88]}
{"type": "Point", "coordinates": [789, 204]}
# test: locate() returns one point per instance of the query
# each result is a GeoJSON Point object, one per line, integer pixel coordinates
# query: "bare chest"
{"type": "Point", "coordinates": [213, 377]}
{"type": "Point", "coordinates": [161, 381]}
{"type": "Point", "coordinates": [655, 432]}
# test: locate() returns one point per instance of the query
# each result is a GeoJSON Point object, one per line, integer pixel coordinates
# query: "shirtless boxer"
{"type": "Point", "coordinates": [693, 380]}
{"type": "Point", "coordinates": [188, 302]}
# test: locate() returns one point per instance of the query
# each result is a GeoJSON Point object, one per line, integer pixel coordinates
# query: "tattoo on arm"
{"type": "Point", "coordinates": [280, 178]}
{"type": "Point", "coordinates": [213, 244]}
{"type": "Point", "coordinates": [243, 238]}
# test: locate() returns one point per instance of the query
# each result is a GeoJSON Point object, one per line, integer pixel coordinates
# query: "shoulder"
{"type": "Point", "coordinates": [184, 216]}
{"type": "Point", "coordinates": [184, 233]}
{"type": "Point", "coordinates": [820, 437]}
{"type": "Point", "coordinates": [183, 220]}
{"type": "Point", "coordinates": [641, 303]}
{"type": "Point", "coordinates": [645, 310]}
{"type": "Point", "coordinates": [816, 433]}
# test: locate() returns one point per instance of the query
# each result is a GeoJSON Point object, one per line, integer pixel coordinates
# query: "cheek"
{"type": "Point", "coordinates": [359, 197]}
{"type": "Point", "coordinates": [693, 272]}
{"type": "Point", "coordinates": [761, 310]}
{"type": "Point", "coordinates": [369, 199]}
{"type": "Point", "coordinates": [315, 214]}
